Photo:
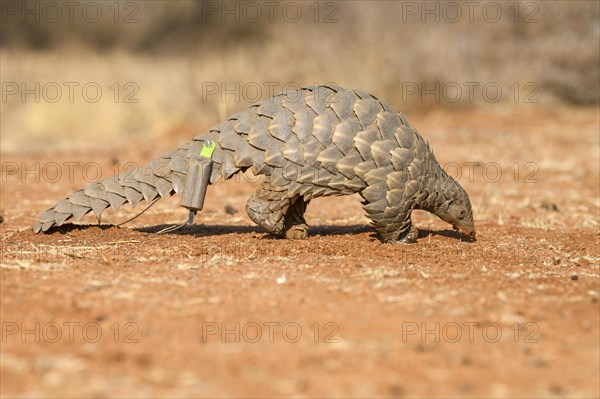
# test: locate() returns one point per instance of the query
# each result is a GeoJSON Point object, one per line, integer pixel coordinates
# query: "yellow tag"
{"type": "Point", "coordinates": [208, 149]}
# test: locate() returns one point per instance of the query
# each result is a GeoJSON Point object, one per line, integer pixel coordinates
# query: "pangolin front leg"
{"type": "Point", "coordinates": [408, 235]}
{"type": "Point", "coordinates": [271, 208]}
{"type": "Point", "coordinates": [393, 223]}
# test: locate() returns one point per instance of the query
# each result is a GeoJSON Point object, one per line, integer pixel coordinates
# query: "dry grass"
{"type": "Point", "coordinates": [171, 55]}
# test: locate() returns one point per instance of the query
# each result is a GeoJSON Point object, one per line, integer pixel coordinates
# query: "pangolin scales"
{"type": "Point", "coordinates": [314, 142]}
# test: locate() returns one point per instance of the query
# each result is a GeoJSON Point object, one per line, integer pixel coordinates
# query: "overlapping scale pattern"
{"type": "Point", "coordinates": [317, 141]}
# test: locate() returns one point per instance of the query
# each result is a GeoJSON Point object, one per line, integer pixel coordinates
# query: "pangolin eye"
{"type": "Point", "coordinates": [461, 213]}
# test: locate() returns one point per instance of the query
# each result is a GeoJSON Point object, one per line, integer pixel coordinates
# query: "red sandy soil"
{"type": "Point", "coordinates": [216, 309]}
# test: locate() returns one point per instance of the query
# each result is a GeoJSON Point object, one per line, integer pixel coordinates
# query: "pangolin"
{"type": "Point", "coordinates": [313, 142]}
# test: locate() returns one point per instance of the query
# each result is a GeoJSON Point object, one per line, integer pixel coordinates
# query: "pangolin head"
{"type": "Point", "coordinates": [456, 209]}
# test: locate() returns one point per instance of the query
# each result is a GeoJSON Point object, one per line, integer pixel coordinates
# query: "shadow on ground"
{"type": "Point", "coordinates": [204, 230]}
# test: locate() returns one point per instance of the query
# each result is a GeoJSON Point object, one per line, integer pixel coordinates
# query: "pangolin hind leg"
{"type": "Point", "coordinates": [294, 224]}
{"type": "Point", "coordinates": [272, 209]}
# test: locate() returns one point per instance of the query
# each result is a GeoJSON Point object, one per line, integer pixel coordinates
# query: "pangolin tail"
{"type": "Point", "coordinates": [160, 178]}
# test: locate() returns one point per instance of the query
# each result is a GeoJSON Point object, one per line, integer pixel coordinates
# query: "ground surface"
{"type": "Point", "coordinates": [221, 309]}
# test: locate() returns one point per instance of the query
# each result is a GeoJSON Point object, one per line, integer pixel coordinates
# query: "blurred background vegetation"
{"type": "Point", "coordinates": [171, 51]}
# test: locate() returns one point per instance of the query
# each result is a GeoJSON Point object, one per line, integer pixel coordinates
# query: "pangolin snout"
{"type": "Point", "coordinates": [467, 231]}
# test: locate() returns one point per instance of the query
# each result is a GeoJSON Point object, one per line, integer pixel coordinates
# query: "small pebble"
{"type": "Point", "coordinates": [550, 206]}
{"type": "Point", "coordinates": [230, 210]}
{"type": "Point", "coordinates": [574, 277]}
{"type": "Point", "coordinates": [583, 262]}
{"type": "Point", "coordinates": [1, 218]}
